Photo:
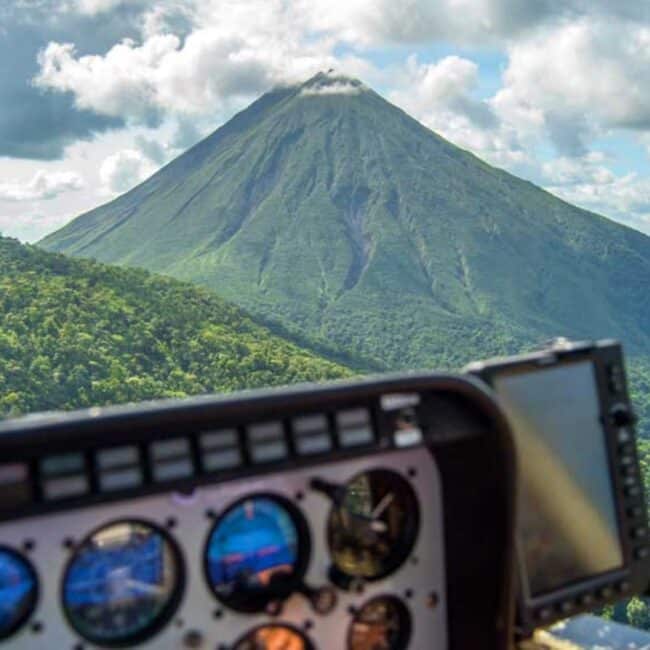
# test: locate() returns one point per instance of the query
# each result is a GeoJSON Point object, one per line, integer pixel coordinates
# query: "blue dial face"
{"type": "Point", "coordinates": [122, 583]}
{"type": "Point", "coordinates": [253, 553]}
{"type": "Point", "coordinates": [18, 591]}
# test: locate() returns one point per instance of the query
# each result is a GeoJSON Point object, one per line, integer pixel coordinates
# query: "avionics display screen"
{"type": "Point", "coordinates": [567, 524]}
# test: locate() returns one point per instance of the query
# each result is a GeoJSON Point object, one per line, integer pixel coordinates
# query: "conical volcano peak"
{"type": "Point", "coordinates": [331, 82]}
{"type": "Point", "coordinates": [326, 209]}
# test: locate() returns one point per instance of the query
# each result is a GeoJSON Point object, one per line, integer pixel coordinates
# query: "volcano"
{"type": "Point", "coordinates": [329, 211]}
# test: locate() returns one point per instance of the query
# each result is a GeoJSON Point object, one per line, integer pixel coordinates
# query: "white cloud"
{"type": "Point", "coordinates": [236, 50]}
{"type": "Point", "coordinates": [442, 96]}
{"type": "Point", "coordinates": [445, 85]}
{"type": "Point", "coordinates": [381, 21]}
{"type": "Point", "coordinates": [91, 7]}
{"type": "Point", "coordinates": [188, 133]}
{"type": "Point", "coordinates": [589, 183]}
{"type": "Point", "coordinates": [468, 22]}
{"type": "Point", "coordinates": [332, 83]}
{"type": "Point", "coordinates": [578, 80]}
{"type": "Point", "coordinates": [156, 151]}
{"type": "Point", "coordinates": [123, 170]}
{"type": "Point", "coordinates": [42, 186]}
{"type": "Point", "coordinates": [31, 226]}
{"type": "Point", "coordinates": [332, 89]}
{"type": "Point", "coordinates": [123, 83]}
{"type": "Point", "coordinates": [590, 169]}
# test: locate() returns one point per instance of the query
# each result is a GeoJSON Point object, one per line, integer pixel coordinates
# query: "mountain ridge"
{"type": "Point", "coordinates": [76, 333]}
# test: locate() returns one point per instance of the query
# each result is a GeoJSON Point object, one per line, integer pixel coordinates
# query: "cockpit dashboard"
{"type": "Point", "coordinates": [344, 516]}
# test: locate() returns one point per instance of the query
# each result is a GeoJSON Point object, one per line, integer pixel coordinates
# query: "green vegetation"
{"type": "Point", "coordinates": [76, 333]}
{"type": "Point", "coordinates": [634, 611]}
{"type": "Point", "coordinates": [638, 613]}
{"type": "Point", "coordinates": [644, 460]}
{"type": "Point", "coordinates": [639, 376]}
{"type": "Point", "coordinates": [339, 217]}
{"type": "Point", "coordinates": [340, 222]}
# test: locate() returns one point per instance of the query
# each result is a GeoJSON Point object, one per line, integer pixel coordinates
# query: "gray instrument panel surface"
{"type": "Point", "coordinates": [421, 575]}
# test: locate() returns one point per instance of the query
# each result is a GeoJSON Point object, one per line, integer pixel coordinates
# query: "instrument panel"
{"type": "Point", "coordinates": [244, 561]}
{"type": "Point", "coordinates": [303, 518]}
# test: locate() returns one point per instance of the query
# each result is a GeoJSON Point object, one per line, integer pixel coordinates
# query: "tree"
{"type": "Point", "coordinates": [638, 613]}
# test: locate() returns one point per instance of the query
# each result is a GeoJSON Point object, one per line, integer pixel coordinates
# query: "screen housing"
{"type": "Point", "coordinates": [579, 377]}
{"type": "Point", "coordinates": [588, 593]}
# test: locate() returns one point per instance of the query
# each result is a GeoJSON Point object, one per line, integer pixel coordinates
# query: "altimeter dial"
{"type": "Point", "coordinates": [373, 524]}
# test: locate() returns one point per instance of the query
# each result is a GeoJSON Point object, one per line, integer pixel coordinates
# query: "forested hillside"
{"type": "Point", "coordinates": [76, 333]}
{"type": "Point", "coordinates": [639, 375]}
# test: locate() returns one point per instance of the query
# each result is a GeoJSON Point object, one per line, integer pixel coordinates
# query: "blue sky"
{"type": "Point", "coordinates": [95, 95]}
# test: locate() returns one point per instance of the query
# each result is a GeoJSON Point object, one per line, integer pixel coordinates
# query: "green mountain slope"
{"type": "Point", "coordinates": [76, 333]}
{"type": "Point", "coordinates": [325, 208]}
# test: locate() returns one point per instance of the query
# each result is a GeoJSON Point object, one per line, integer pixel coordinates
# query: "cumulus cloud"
{"type": "Point", "coordinates": [589, 169]}
{"type": "Point", "coordinates": [333, 89]}
{"type": "Point", "coordinates": [468, 22]}
{"type": "Point", "coordinates": [588, 182]}
{"type": "Point", "coordinates": [624, 198]}
{"type": "Point", "coordinates": [208, 57]}
{"type": "Point", "coordinates": [411, 21]}
{"type": "Point", "coordinates": [442, 96]}
{"type": "Point", "coordinates": [35, 124]}
{"type": "Point", "coordinates": [331, 83]}
{"type": "Point", "coordinates": [187, 134]}
{"type": "Point", "coordinates": [445, 85]}
{"type": "Point", "coordinates": [123, 170]}
{"type": "Point", "coordinates": [93, 6]}
{"type": "Point", "coordinates": [509, 128]}
{"type": "Point", "coordinates": [241, 50]}
{"type": "Point", "coordinates": [578, 80]}
{"type": "Point", "coordinates": [154, 150]}
{"type": "Point", "coordinates": [30, 227]}
{"type": "Point", "coordinates": [43, 186]}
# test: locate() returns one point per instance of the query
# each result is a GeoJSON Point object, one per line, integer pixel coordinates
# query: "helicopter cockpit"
{"type": "Point", "coordinates": [404, 511]}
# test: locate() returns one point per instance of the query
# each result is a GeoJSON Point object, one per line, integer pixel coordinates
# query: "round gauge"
{"type": "Point", "coordinates": [373, 526]}
{"type": "Point", "coordinates": [383, 623]}
{"type": "Point", "coordinates": [274, 637]}
{"type": "Point", "coordinates": [18, 591]}
{"type": "Point", "coordinates": [257, 552]}
{"type": "Point", "coordinates": [123, 583]}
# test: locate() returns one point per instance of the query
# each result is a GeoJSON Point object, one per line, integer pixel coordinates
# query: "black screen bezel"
{"type": "Point", "coordinates": [588, 594]}
{"type": "Point", "coordinates": [608, 573]}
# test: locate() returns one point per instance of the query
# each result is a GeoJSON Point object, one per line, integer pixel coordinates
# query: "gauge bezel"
{"type": "Point", "coordinates": [406, 620]}
{"type": "Point", "coordinates": [303, 552]}
{"type": "Point", "coordinates": [403, 548]}
{"type": "Point", "coordinates": [36, 591]}
{"type": "Point", "coordinates": [309, 645]}
{"type": "Point", "coordinates": [167, 612]}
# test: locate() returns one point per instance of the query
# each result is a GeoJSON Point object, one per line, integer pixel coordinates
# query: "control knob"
{"type": "Point", "coordinates": [621, 415]}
